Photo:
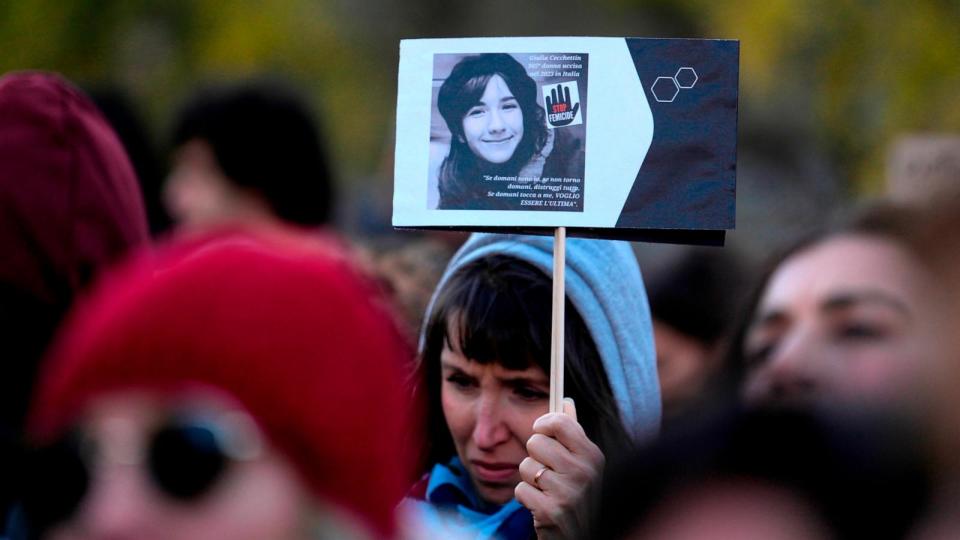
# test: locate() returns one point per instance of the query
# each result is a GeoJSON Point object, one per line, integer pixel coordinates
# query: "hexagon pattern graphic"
{"type": "Point", "coordinates": [686, 77]}
{"type": "Point", "coordinates": [666, 89]}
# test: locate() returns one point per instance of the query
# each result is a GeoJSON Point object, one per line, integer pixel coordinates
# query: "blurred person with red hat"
{"type": "Point", "coordinates": [69, 207]}
{"type": "Point", "coordinates": [234, 386]}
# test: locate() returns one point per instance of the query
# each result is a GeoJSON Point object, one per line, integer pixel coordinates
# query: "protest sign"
{"type": "Point", "coordinates": [921, 167]}
{"type": "Point", "coordinates": [612, 137]}
{"type": "Point", "coordinates": [627, 138]}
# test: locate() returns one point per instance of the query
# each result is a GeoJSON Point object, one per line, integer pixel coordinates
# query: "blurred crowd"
{"type": "Point", "coordinates": [194, 349]}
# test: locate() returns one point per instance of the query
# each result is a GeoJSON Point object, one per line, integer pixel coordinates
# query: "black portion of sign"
{"type": "Point", "coordinates": [664, 236]}
{"type": "Point", "coordinates": [688, 177]}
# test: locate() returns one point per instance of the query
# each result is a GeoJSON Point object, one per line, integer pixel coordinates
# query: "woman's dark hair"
{"type": "Point", "coordinates": [697, 294]}
{"type": "Point", "coordinates": [502, 307]}
{"type": "Point", "coordinates": [461, 91]}
{"type": "Point", "coordinates": [264, 137]}
{"type": "Point", "coordinates": [885, 220]}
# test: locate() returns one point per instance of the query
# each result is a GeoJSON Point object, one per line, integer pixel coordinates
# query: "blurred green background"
{"type": "Point", "coordinates": [826, 86]}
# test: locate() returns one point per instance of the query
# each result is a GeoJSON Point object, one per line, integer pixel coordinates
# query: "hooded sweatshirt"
{"type": "Point", "coordinates": [69, 205]}
{"type": "Point", "coordinates": [604, 284]}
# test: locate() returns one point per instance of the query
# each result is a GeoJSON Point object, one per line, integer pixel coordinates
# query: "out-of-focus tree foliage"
{"type": "Point", "coordinates": [852, 73]}
{"type": "Point", "coordinates": [162, 51]}
{"type": "Point", "coordinates": [844, 76]}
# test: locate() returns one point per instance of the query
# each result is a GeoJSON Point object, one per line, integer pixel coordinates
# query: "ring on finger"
{"type": "Point", "coordinates": [536, 477]}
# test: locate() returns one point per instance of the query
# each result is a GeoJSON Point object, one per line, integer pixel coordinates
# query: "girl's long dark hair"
{"type": "Point", "coordinates": [502, 307]}
{"type": "Point", "coordinates": [461, 91]}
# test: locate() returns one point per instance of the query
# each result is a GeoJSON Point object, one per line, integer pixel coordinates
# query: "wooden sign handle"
{"type": "Point", "coordinates": [557, 337]}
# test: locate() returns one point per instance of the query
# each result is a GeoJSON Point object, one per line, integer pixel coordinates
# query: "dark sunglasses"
{"type": "Point", "coordinates": [185, 457]}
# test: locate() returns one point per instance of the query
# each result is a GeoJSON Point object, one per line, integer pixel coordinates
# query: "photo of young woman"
{"type": "Point", "coordinates": [497, 128]}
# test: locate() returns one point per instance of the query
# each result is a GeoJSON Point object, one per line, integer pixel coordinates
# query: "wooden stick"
{"type": "Point", "coordinates": [556, 342]}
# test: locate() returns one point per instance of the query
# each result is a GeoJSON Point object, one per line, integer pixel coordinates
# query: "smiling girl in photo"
{"type": "Point", "coordinates": [497, 128]}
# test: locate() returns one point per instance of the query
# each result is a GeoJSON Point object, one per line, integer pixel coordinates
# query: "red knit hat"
{"type": "Point", "coordinates": [296, 335]}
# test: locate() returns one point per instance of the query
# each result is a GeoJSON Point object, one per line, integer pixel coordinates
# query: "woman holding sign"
{"type": "Point", "coordinates": [498, 128]}
{"type": "Point", "coordinates": [494, 457]}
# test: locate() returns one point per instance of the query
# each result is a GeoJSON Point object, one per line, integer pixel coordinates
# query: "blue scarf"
{"type": "Point", "coordinates": [453, 505]}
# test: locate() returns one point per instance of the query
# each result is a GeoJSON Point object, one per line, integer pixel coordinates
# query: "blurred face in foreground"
{"type": "Point", "coordinates": [733, 509]}
{"type": "Point", "coordinates": [490, 412]}
{"type": "Point", "coordinates": [849, 318]}
{"type": "Point", "coordinates": [197, 471]}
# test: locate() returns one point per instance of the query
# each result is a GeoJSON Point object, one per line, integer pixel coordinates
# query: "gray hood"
{"type": "Point", "coordinates": [604, 283]}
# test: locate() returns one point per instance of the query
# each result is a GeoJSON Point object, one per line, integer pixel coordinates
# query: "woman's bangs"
{"type": "Point", "coordinates": [497, 327]}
